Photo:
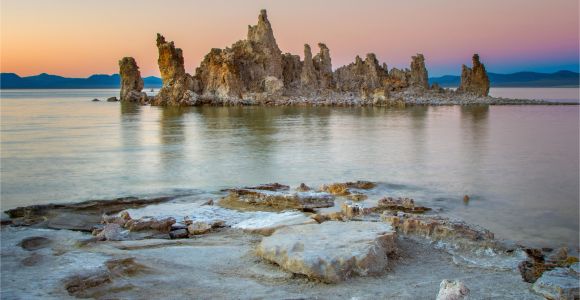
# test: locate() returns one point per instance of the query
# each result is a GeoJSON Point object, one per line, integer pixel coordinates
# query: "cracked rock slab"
{"type": "Point", "coordinates": [331, 251]}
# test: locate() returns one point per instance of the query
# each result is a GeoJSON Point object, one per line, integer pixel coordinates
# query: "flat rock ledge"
{"type": "Point", "coordinates": [332, 251]}
{"type": "Point", "coordinates": [259, 199]}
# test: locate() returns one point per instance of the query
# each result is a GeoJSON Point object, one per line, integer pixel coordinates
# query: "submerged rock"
{"type": "Point", "coordinates": [436, 227]}
{"type": "Point", "coordinates": [76, 216]}
{"type": "Point", "coordinates": [401, 204]}
{"type": "Point", "coordinates": [35, 243]}
{"type": "Point", "coordinates": [85, 285]}
{"type": "Point", "coordinates": [452, 290]}
{"type": "Point", "coordinates": [559, 283]}
{"type": "Point", "coordinates": [331, 251]}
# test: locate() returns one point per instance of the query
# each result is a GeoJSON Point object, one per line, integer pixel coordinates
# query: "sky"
{"type": "Point", "coordinates": [78, 38]}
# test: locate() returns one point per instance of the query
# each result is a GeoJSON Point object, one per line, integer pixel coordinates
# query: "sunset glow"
{"type": "Point", "coordinates": [80, 38]}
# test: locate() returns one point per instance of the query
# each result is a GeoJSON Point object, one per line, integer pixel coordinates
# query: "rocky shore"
{"type": "Point", "coordinates": [254, 71]}
{"type": "Point", "coordinates": [270, 241]}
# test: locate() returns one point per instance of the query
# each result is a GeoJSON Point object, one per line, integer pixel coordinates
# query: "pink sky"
{"type": "Point", "coordinates": [79, 38]}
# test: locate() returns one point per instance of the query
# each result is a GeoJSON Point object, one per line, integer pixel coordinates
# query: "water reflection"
{"type": "Point", "coordinates": [522, 177]}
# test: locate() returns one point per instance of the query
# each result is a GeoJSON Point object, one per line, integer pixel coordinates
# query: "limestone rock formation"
{"type": "Point", "coordinates": [291, 70]}
{"type": "Point", "coordinates": [254, 71]}
{"type": "Point", "coordinates": [308, 75]}
{"type": "Point", "coordinates": [262, 36]}
{"type": "Point", "coordinates": [131, 81]}
{"type": "Point", "coordinates": [177, 86]}
{"type": "Point", "coordinates": [361, 75]}
{"type": "Point", "coordinates": [419, 77]}
{"type": "Point", "coordinates": [474, 80]}
{"type": "Point", "coordinates": [241, 70]}
{"type": "Point", "coordinates": [332, 251]}
{"type": "Point", "coordinates": [323, 66]}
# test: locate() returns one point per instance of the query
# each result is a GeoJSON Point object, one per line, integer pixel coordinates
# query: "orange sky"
{"type": "Point", "coordinates": [79, 38]}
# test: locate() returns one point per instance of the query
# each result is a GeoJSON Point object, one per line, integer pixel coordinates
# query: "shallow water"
{"type": "Point", "coordinates": [519, 164]}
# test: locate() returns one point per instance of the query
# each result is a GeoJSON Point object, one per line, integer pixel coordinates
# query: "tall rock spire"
{"type": "Point", "coordinates": [419, 76]}
{"type": "Point", "coordinates": [177, 86]}
{"type": "Point", "coordinates": [131, 81]}
{"type": "Point", "coordinates": [474, 80]}
{"type": "Point", "coordinates": [308, 76]}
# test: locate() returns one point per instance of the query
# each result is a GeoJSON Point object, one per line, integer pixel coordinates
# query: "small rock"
{"type": "Point", "coordinates": [337, 189]}
{"type": "Point", "coordinates": [558, 255]}
{"type": "Point", "coordinates": [95, 100]}
{"type": "Point", "coordinates": [198, 227]}
{"type": "Point", "coordinates": [452, 290]}
{"type": "Point", "coordinates": [208, 202]}
{"type": "Point", "coordinates": [112, 99]}
{"type": "Point", "coordinates": [179, 234]}
{"type": "Point", "coordinates": [35, 243]}
{"type": "Point", "coordinates": [466, 199]}
{"type": "Point", "coordinates": [112, 232]}
{"type": "Point", "coordinates": [303, 188]}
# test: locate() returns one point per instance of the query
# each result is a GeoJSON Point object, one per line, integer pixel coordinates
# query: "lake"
{"type": "Point", "coordinates": [518, 164]}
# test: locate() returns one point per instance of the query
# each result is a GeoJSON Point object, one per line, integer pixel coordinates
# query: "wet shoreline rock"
{"type": "Point", "coordinates": [332, 251]}
{"type": "Point", "coordinates": [81, 216]}
{"type": "Point", "coordinates": [275, 200]}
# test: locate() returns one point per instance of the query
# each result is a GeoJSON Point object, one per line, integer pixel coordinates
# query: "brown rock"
{"type": "Point", "coordinates": [323, 65]}
{"type": "Point", "coordinates": [419, 77]}
{"type": "Point", "coordinates": [401, 204]}
{"type": "Point", "coordinates": [35, 243]}
{"type": "Point", "coordinates": [308, 76]}
{"type": "Point", "coordinates": [177, 89]}
{"type": "Point", "coordinates": [131, 81]}
{"type": "Point", "coordinates": [474, 80]}
{"type": "Point", "coordinates": [361, 75]}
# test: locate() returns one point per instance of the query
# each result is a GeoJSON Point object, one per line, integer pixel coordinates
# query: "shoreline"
{"type": "Point", "coordinates": [211, 239]}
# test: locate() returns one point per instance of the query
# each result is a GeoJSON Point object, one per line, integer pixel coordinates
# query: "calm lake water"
{"type": "Point", "coordinates": [519, 164]}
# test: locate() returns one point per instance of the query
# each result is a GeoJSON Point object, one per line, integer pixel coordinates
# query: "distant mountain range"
{"type": "Point", "coordinates": [46, 81]}
{"type": "Point", "coordinates": [519, 79]}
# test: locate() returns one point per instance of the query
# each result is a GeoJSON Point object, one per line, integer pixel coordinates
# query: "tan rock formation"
{"type": "Point", "coordinates": [177, 86]}
{"type": "Point", "coordinates": [361, 75]}
{"type": "Point", "coordinates": [254, 71]}
{"type": "Point", "coordinates": [474, 80]}
{"type": "Point", "coordinates": [308, 76]}
{"type": "Point", "coordinates": [131, 81]}
{"type": "Point", "coordinates": [241, 70]}
{"type": "Point", "coordinates": [323, 65]}
{"type": "Point", "coordinates": [419, 77]}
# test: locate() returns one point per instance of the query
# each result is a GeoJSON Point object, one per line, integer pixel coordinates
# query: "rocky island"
{"type": "Point", "coordinates": [254, 71]}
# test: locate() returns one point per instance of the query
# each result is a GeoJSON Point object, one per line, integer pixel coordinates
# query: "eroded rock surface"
{"type": "Point", "coordinates": [401, 204]}
{"type": "Point", "coordinates": [275, 200]}
{"type": "Point", "coordinates": [178, 86]}
{"type": "Point", "coordinates": [559, 283]}
{"type": "Point", "coordinates": [254, 71]}
{"type": "Point", "coordinates": [452, 290]}
{"type": "Point", "coordinates": [474, 80]}
{"type": "Point", "coordinates": [76, 216]}
{"type": "Point", "coordinates": [131, 81]}
{"type": "Point", "coordinates": [331, 251]}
